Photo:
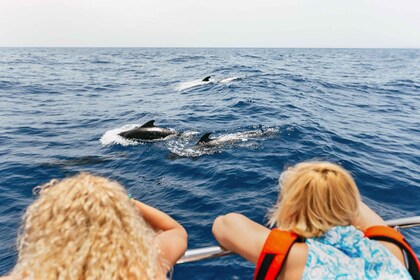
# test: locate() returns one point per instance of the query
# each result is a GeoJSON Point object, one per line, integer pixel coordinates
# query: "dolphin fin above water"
{"type": "Point", "coordinates": [149, 124]}
{"type": "Point", "coordinates": [206, 79]}
{"type": "Point", "coordinates": [204, 139]}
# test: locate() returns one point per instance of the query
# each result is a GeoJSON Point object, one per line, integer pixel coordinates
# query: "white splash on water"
{"type": "Point", "coordinates": [191, 84]}
{"type": "Point", "coordinates": [231, 79]}
{"type": "Point", "coordinates": [184, 149]}
{"type": "Point", "coordinates": [112, 136]}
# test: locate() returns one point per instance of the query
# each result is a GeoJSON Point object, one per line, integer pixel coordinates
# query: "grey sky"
{"type": "Point", "coordinates": [217, 23]}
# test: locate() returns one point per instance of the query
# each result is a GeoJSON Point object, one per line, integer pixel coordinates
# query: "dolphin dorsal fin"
{"type": "Point", "coordinates": [205, 138]}
{"type": "Point", "coordinates": [206, 79]}
{"type": "Point", "coordinates": [149, 124]}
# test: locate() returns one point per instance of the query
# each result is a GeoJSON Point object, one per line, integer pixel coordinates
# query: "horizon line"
{"type": "Point", "coordinates": [210, 47]}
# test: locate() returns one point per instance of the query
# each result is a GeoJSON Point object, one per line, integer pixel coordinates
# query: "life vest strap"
{"type": "Point", "coordinates": [273, 254]}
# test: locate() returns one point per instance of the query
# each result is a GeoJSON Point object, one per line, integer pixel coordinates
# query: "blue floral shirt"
{"type": "Point", "coordinates": [344, 253]}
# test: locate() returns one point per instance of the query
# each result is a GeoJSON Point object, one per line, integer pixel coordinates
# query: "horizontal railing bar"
{"type": "Point", "coordinates": [404, 222]}
{"type": "Point", "coordinates": [205, 253]}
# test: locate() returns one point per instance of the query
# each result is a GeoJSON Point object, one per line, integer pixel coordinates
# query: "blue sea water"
{"type": "Point", "coordinates": [62, 108]}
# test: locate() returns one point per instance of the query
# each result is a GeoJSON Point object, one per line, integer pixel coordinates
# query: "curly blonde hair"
{"type": "Point", "coordinates": [314, 197]}
{"type": "Point", "coordinates": [85, 227]}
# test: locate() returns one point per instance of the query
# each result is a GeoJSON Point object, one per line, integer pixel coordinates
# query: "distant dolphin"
{"type": "Point", "coordinates": [148, 131]}
{"type": "Point", "coordinates": [84, 160]}
{"type": "Point", "coordinates": [205, 140]}
{"type": "Point", "coordinates": [194, 83]}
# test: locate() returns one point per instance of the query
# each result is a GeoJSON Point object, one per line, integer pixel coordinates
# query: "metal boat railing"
{"type": "Point", "coordinates": [199, 254]}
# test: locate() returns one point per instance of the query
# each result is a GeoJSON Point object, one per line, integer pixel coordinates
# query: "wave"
{"type": "Point", "coordinates": [7, 84]}
{"type": "Point", "coordinates": [237, 68]}
{"type": "Point", "coordinates": [100, 61]}
{"type": "Point", "coordinates": [186, 58]}
{"type": "Point", "coordinates": [403, 83]}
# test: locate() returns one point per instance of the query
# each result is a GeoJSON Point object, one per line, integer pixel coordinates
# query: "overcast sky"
{"type": "Point", "coordinates": [217, 23]}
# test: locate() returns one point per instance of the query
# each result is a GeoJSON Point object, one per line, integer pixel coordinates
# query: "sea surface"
{"type": "Point", "coordinates": [61, 110]}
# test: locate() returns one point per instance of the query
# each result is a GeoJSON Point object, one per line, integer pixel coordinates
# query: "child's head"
{"type": "Point", "coordinates": [314, 197]}
{"type": "Point", "coordinates": [85, 227]}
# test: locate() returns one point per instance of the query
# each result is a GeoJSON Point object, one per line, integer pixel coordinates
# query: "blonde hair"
{"type": "Point", "coordinates": [85, 227]}
{"type": "Point", "coordinates": [314, 197]}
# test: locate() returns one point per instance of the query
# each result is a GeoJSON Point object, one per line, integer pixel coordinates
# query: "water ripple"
{"type": "Point", "coordinates": [62, 110]}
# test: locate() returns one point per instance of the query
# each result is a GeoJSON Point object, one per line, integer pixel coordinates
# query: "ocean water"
{"type": "Point", "coordinates": [61, 110]}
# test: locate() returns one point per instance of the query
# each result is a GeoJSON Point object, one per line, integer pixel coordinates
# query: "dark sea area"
{"type": "Point", "coordinates": [61, 110]}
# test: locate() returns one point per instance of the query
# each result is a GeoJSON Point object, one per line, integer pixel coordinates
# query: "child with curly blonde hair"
{"type": "Point", "coordinates": [86, 227]}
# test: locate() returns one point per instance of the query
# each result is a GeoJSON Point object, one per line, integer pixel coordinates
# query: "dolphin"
{"type": "Point", "coordinates": [148, 131]}
{"type": "Point", "coordinates": [84, 160]}
{"type": "Point", "coordinates": [205, 140]}
{"type": "Point", "coordinates": [206, 79]}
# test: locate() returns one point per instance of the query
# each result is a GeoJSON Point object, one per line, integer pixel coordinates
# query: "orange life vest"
{"type": "Point", "coordinates": [279, 242]}
{"type": "Point", "coordinates": [273, 254]}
